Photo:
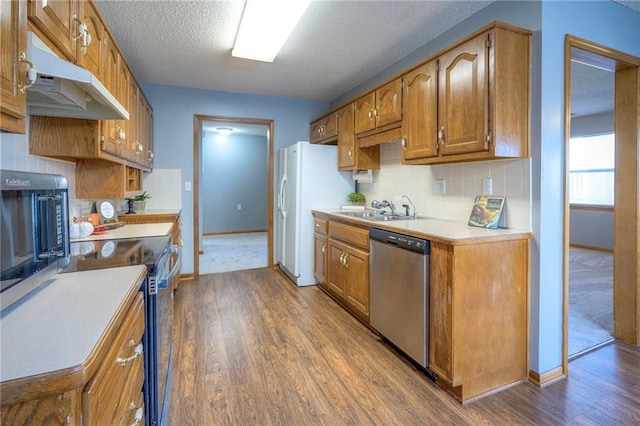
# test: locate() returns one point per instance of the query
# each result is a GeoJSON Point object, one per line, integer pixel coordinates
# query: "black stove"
{"type": "Point", "coordinates": [156, 253]}
{"type": "Point", "coordinates": [101, 254]}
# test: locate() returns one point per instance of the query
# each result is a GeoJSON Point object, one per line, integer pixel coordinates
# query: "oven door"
{"type": "Point", "coordinates": [160, 323]}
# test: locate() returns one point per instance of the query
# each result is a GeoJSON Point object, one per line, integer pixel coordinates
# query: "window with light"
{"type": "Point", "coordinates": [592, 170]}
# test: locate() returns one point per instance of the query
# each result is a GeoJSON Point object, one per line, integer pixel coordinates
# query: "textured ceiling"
{"type": "Point", "coordinates": [335, 47]}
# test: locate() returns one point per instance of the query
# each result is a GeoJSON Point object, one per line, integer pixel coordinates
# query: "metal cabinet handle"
{"type": "Point", "coordinates": [324, 246]}
{"type": "Point", "coordinates": [350, 154]}
{"type": "Point", "coordinates": [404, 143]}
{"type": "Point", "coordinates": [32, 73]}
{"type": "Point", "coordinates": [370, 115]}
{"type": "Point", "coordinates": [138, 416]}
{"type": "Point", "coordinates": [441, 135]}
{"type": "Point", "coordinates": [345, 263]}
{"type": "Point", "coordinates": [375, 113]}
{"type": "Point", "coordinates": [136, 353]}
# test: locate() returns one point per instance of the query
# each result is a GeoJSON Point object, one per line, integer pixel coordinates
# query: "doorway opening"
{"type": "Point", "coordinates": [591, 189]}
{"type": "Point", "coordinates": [233, 202]}
{"type": "Point", "coordinates": [611, 224]}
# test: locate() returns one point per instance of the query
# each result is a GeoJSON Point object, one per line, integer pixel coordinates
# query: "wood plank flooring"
{"type": "Point", "coordinates": [253, 349]}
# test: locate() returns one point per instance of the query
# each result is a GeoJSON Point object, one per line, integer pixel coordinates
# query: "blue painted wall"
{"type": "Point", "coordinates": [611, 25]}
{"type": "Point", "coordinates": [234, 172]}
{"type": "Point", "coordinates": [173, 111]}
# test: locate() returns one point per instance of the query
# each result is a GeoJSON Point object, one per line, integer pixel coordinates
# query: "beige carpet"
{"type": "Point", "coordinates": [233, 252]}
{"type": "Point", "coordinates": [590, 299]}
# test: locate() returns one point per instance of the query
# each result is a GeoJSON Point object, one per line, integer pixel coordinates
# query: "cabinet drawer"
{"type": "Point", "coordinates": [320, 225]}
{"type": "Point", "coordinates": [122, 362]}
{"type": "Point", "coordinates": [350, 234]}
{"type": "Point", "coordinates": [131, 404]}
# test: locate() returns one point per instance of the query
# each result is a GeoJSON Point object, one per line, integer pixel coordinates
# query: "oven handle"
{"type": "Point", "coordinates": [175, 249]}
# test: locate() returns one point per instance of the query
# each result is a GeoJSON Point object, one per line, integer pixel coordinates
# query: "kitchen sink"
{"type": "Point", "coordinates": [377, 216]}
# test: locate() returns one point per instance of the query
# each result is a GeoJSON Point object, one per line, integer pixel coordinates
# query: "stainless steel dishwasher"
{"type": "Point", "coordinates": [399, 291]}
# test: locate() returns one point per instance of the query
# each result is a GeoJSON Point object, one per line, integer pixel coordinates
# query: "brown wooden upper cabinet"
{"type": "Point", "coordinates": [13, 33]}
{"type": "Point", "coordinates": [90, 53]}
{"type": "Point", "coordinates": [379, 108]}
{"type": "Point", "coordinates": [58, 22]}
{"type": "Point", "coordinates": [324, 130]}
{"type": "Point", "coordinates": [420, 104]}
{"type": "Point", "coordinates": [350, 155]}
{"type": "Point", "coordinates": [482, 101]}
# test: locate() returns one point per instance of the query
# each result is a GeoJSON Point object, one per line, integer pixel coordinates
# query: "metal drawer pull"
{"type": "Point", "coordinates": [138, 415]}
{"type": "Point", "coordinates": [136, 353]}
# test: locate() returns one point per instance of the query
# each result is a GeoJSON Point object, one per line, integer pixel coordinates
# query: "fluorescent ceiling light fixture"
{"type": "Point", "coordinates": [224, 131]}
{"type": "Point", "coordinates": [265, 26]}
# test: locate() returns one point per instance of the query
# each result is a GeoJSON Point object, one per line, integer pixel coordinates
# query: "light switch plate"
{"type": "Point", "coordinates": [439, 186]}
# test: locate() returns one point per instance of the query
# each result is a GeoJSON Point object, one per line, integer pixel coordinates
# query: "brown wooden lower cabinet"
{"type": "Point", "coordinates": [345, 257]}
{"type": "Point", "coordinates": [113, 395]}
{"type": "Point", "coordinates": [478, 315]}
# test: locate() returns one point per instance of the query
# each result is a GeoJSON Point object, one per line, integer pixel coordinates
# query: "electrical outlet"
{"type": "Point", "coordinates": [187, 186]}
{"type": "Point", "coordinates": [239, 207]}
{"type": "Point", "coordinates": [440, 186]}
{"type": "Point", "coordinates": [487, 186]}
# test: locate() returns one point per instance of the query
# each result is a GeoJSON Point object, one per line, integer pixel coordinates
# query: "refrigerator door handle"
{"type": "Point", "coordinates": [281, 196]}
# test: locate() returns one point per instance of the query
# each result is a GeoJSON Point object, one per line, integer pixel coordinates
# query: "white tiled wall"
{"type": "Point", "coordinates": [14, 155]}
{"type": "Point", "coordinates": [463, 182]}
{"type": "Point", "coordinates": [164, 186]}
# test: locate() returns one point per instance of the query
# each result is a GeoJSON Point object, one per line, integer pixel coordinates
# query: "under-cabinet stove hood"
{"type": "Point", "coordinates": [62, 89]}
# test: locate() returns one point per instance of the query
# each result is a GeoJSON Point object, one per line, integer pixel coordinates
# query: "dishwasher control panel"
{"type": "Point", "coordinates": [402, 241]}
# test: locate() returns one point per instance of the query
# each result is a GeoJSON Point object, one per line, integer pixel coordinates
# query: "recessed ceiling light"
{"type": "Point", "coordinates": [224, 131]}
{"type": "Point", "coordinates": [265, 26]}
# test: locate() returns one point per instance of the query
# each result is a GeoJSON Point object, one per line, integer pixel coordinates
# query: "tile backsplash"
{"type": "Point", "coordinates": [463, 182]}
{"type": "Point", "coordinates": [165, 188]}
{"type": "Point", "coordinates": [14, 155]}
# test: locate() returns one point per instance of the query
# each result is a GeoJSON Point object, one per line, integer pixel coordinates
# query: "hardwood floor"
{"type": "Point", "coordinates": [253, 349]}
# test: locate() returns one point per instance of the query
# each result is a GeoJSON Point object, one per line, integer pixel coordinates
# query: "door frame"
{"type": "Point", "coordinates": [197, 125]}
{"type": "Point", "coordinates": [626, 275]}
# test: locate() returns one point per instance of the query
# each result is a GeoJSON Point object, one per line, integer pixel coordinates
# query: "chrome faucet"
{"type": "Point", "coordinates": [415, 214]}
{"type": "Point", "coordinates": [382, 204]}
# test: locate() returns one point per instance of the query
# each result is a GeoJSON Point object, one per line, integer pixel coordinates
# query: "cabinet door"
{"type": "Point", "coordinates": [59, 409]}
{"type": "Point", "coordinates": [330, 126]}
{"type": "Point", "coordinates": [363, 113]}
{"type": "Point", "coordinates": [134, 150]}
{"type": "Point", "coordinates": [356, 265]}
{"type": "Point", "coordinates": [420, 109]}
{"type": "Point", "coordinates": [463, 97]}
{"type": "Point", "coordinates": [110, 134]}
{"type": "Point", "coordinates": [13, 33]}
{"type": "Point", "coordinates": [90, 54]}
{"type": "Point", "coordinates": [148, 132]}
{"type": "Point", "coordinates": [346, 138]}
{"type": "Point", "coordinates": [389, 103]}
{"type": "Point", "coordinates": [320, 258]}
{"type": "Point", "coordinates": [336, 268]}
{"type": "Point", "coordinates": [315, 131]}
{"type": "Point", "coordinates": [57, 20]}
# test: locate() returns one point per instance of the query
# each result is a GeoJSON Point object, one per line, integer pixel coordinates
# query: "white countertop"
{"type": "Point", "coordinates": [57, 326]}
{"type": "Point", "coordinates": [131, 231]}
{"type": "Point", "coordinates": [447, 231]}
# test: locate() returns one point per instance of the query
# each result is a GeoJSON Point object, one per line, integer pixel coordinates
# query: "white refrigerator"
{"type": "Point", "coordinates": [308, 179]}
